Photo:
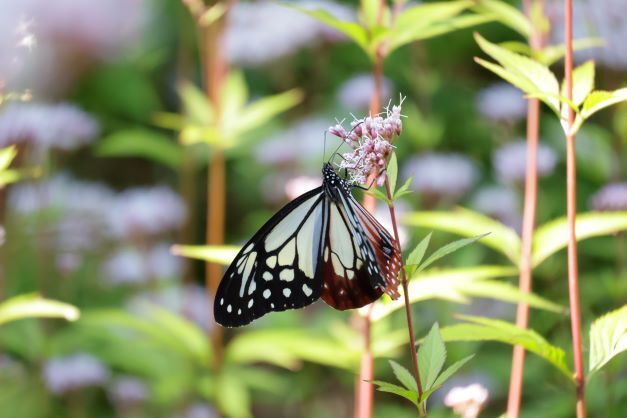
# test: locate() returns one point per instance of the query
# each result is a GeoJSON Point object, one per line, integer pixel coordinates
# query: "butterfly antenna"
{"type": "Point", "coordinates": [324, 145]}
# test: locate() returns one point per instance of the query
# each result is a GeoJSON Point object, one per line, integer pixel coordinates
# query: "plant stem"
{"type": "Point", "coordinates": [571, 209]}
{"type": "Point", "coordinates": [525, 267]}
{"type": "Point", "coordinates": [410, 326]}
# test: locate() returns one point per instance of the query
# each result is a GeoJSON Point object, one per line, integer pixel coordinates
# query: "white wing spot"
{"type": "Point", "coordinates": [267, 293]}
{"type": "Point", "coordinates": [253, 286]}
{"type": "Point", "coordinates": [271, 261]}
{"type": "Point", "coordinates": [250, 303]}
{"type": "Point", "coordinates": [287, 292]}
{"type": "Point", "coordinates": [272, 305]}
{"type": "Point", "coordinates": [250, 247]}
{"type": "Point", "coordinates": [239, 311]}
{"type": "Point", "coordinates": [287, 254]}
{"type": "Point", "coordinates": [350, 274]}
{"type": "Point", "coordinates": [287, 275]}
{"type": "Point", "coordinates": [267, 276]}
{"type": "Point", "coordinates": [307, 290]}
{"type": "Point", "coordinates": [229, 308]}
{"type": "Point", "coordinates": [221, 301]}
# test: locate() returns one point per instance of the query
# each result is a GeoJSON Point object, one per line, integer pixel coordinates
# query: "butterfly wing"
{"type": "Point", "coordinates": [360, 259]}
{"type": "Point", "coordinates": [279, 267]}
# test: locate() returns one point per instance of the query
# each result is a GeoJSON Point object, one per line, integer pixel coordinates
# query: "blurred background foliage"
{"type": "Point", "coordinates": [102, 123]}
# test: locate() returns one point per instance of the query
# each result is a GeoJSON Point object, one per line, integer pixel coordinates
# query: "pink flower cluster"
{"type": "Point", "coordinates": [371, 139]}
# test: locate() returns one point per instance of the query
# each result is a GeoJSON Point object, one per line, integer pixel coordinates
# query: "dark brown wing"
{"type": "Point", "coordinates": [360, 259]}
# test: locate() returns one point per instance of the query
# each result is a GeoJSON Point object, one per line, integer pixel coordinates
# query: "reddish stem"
{"type": "Point", "coordinates": [571, 209]}
{"type": "Point", "coordinates": [410, 326]}
{"type": "Point", "coordinates": [525, 267]}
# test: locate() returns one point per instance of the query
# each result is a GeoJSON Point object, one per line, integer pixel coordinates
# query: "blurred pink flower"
{"type": "Point", "coordinates": [467, 401]}
{"type": "Point", "coordinates": [500, 202]}
{"type": "Point", "coordinates": [146, 211]}
{"type": "Point", "coordinates": [606, 19]}
{"type": "Point", "coordinates": [200, 410]}
{"type": "Point", "coordinates": [45, 45]}
{"type": "Point", "coordinates": [502, 102]}
{"type": "Point", "coordinates": [2, 235]}
{"type": "Point", "coordinates": [510, 161]}
{"type": "Point", "coordinates": [126, 391]}
{"type": "Point", "coordinates": [59, 126]}
{"type": "Point", "coordinates": [441, 175]}
{"type": "Point", "coordinates": [612, 197]}
{"type": "Point", "coordinates": [356, 92]}
{"type": "Point", "coordinates": [129, 265]}
{"type": "Point", "coordinates": [264, 31]}
{"type": "Point", "coordinates": [64, 374]}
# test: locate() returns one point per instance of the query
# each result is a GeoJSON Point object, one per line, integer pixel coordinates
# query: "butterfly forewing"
{"type": "Point", "coordinates": [278, 268]}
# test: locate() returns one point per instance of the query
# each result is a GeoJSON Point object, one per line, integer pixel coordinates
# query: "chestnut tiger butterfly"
{"type": "Point", "coordinates": [321, 244]}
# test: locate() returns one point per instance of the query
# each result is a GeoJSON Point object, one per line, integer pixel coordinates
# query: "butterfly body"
{"type": "Point", "coordinates": [322, 244]}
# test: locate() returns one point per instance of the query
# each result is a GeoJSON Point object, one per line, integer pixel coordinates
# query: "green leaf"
{"type": "Point", "coordinates": [507, 15]}
{"type": "Point", "coordinates": [583, 82]}
{"type": "Point", "coordinates": [484, 329]}
{"type": "Point", "coordinates": [231, 396]}
{"type": "Point", "coordinates": [446, 284]}
{"type": "Point", "coordinates": [550, 54]}
{"type": "Point", "coordinates": [431, 357]}
{"type": "Point", "coordinates": [553, 236]}
{"type": "Point", "coordinates": [446, 374]}
{"type": "Point", "coordinates": [392, 173]}
{"type": "Point", "coordinates": [508, 293]}
{"type": "Point", "coordinates": [197, 107]}
{"type": "Point", "coordinates": [263, 110]}
{"type": "Point", "coordinates": [422, 30]}
{"type": "Point", "coordinates": [416, 22]}
{"type": "Point", "coordinates": [288, 348]}
{"type": "Point", "coordinates": [140, 142]}
{"type": "Point", "coordinates": [397, 390]}
{"type": "Point", "coordinates": [404, 376]}
{"type": "Point", "coordinates": [7, 155]}
{"type": "Point", "coordinates": [530, 76]}
{"type": "Point", "coordinates": [601, 99]}
{"type": "Point", "coordinates": [369, 11]}
{"type": "Point", "coordinates": [448, 249]}
{"type": "Point", "coordinates": [467, 223]}
{"type": "Point", "coordinates": [378, 194]}
{"type": "Point", "coordinates": [415, 257]}
{"type": "Point", "coordinates": [11, 176]}
{"type": "Point", "coordinates": [403, 190]}
{"type": "Point", "coordinates": [608, 338]}
{"type": "Point", "coordinates": [34, 306]}
{"type": "Point", "coordinates": [221, 254]}
{"type": "Point", "coordinates": [352, 30]}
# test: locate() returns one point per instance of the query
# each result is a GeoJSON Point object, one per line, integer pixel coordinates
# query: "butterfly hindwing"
{"type": "Point", "coordinates": [360, 260]}
{"type": "Point", "coordinates": [278, 268]}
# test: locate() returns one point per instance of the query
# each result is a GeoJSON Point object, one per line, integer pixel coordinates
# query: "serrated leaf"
{"type": "Point", "coordinates": [448, 249]}
{"type": "Point", "coordinates": [404, 376]}
{"type": "Point", "coordinates": [530, 76]}
{"type": "Point", "coordinates": [600, 99]}
{"type": "Point", "coordinates": [7, 155]}
{"type": "Point", "coordinates": [608, 338]}
{"type": "Point", "coordinates": [352, 30]}
{"type": "Point", "coordinates": [583, 83]}
{"type": "Point", "coordinates": [34, 306]}
{"type": "Point", "coordinates": [553, 236]}
{"type": "Point", "coordinates": [222, 254]}
{"type": "Point", "coordinates": [415, 257]}
{"type": "Point", "coordinates": [397, 390]}
{"type": "Point", "coordinates": [431, 357]}
{"type": "Point", "coordinates": [392, 173]}
{"type": "Point", "coordinates": [144, 143]}
{"type": "Point", "coordinates": [467, 223]}
{"type": "Point", "coordinates": [446, 374]}
{"type": "Point", "coordinates": [485, 329]}
{"type": "Point", "coordinates": [507, 15]}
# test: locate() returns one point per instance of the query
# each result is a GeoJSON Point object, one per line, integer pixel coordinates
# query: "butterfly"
{"type": "Point", "coordinates": [321, 244]}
